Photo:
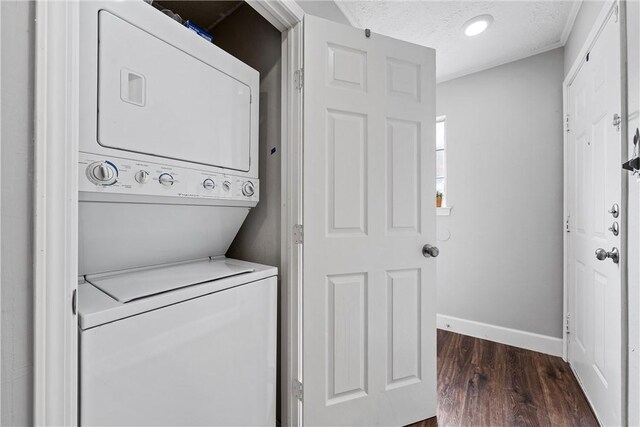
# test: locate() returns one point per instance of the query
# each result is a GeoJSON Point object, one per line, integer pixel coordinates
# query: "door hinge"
{"type": "Point", "coordinates": [298, 234]}
{"type": "Point", "coordinates": [566, 224]}
{"type": "Point", "coordinates": [297, 390]}
{"type": "Point", "coordinates": [298, 79]}
{"type": "Point", "coordinates": [567, 329]}
{"type": "Point", "coordinates": [617, 120]}
{"type": "Point", "coordinates": [566, 122]}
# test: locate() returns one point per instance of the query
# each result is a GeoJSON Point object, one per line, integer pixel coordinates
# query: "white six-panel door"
{"type": "Point", "coordinates": [369, 323]}
{"type": "Point", "coordinates": [594, 185]}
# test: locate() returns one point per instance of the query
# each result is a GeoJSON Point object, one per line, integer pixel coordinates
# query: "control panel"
{"type": "Point", "coordinates": [124, 176]}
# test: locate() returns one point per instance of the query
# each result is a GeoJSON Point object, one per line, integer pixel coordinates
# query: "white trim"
{"type": "Point", "coordinates": [571, 20]}
{"type": "Point", "coordinates": [282, 14]}
{"type": "Point", "coordinates": [634, 270]}
{"type": "Point", "coordinates": [347, 14]}
{"type": "Point", "coordinates": [624, 211]}
{"type": "Point", "coordinates": [55, 213]}
{"type": "Point", "coordinates": [291, 205]}
{"type": "Point", "coordinates": [513, 337]}
{"type": "Point", "coordinates": [1, 381]}
{"type": "Point", "coordinates": [565, 222]}
{"type": "Point", "coordinates": [498, 63]}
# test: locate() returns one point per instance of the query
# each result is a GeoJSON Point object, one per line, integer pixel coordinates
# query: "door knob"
{"type": "Point", "coordinates": [601, 254]}
{"type": "Point", "coordinates": [429, 251]}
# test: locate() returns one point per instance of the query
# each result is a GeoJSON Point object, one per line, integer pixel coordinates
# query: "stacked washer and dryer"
{"type": "Point", "coordinates": [171, 331]}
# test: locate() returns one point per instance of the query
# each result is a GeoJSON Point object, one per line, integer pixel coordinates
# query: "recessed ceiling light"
{"type": "Point", "coordinates": [477, 25]}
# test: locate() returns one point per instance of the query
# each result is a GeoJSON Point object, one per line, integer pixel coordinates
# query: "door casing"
{"type": "Point", "coordinates": [56, 208]}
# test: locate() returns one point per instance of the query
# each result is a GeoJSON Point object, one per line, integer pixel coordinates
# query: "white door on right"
{"type": "Point", "coordinates": [594, 196]}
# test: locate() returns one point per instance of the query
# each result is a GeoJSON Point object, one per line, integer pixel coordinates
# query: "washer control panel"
{"type": "Point", "coordinates": [124, 176]}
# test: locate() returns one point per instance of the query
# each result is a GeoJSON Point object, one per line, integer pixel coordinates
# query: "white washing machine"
{"type": "Point", "coordinates": [191, 343]}
{"type": "Point", "coordinates": [171, 331]}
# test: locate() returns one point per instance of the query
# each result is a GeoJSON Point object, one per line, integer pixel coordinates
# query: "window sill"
{"type": "Point", "coordinates": [443, 211]}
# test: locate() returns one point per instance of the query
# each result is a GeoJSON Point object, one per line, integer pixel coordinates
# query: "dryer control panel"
{"type": "Point", "coordinates": [98, 174]}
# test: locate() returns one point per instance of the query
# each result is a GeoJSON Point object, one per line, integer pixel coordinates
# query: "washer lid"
{"type": "Point", "coordinates": [133, 285]}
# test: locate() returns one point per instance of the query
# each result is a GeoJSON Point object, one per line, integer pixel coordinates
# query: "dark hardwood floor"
{"type": "Point", "coordinates": [482, 383]}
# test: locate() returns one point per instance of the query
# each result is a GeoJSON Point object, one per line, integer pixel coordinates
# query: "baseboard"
{"type": "Point", "coordinates": [513, 337]}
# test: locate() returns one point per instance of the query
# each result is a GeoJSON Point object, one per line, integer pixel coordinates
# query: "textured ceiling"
{"type": "Point", "coordinates": [520, 29]}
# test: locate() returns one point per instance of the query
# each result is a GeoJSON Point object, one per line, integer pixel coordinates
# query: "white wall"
{"type": "Point", "coordinates": [589, 10]}
{"type": "Point", "coordinates": [326, 9]}
{"type": "Point", "coordinates": [16, 219]}
{"type": "Point", "coordinates": [502, 264]}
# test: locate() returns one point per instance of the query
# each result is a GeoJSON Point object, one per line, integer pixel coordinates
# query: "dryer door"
{"type": "Point", "coordinates": [156, 99]}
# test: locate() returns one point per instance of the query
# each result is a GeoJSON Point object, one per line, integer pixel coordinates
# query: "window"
{"type": "Point", "coordinates": [441, 157]}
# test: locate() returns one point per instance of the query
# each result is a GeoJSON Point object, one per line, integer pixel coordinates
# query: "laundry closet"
{"type": "Point", "coordinates": [179, 214]}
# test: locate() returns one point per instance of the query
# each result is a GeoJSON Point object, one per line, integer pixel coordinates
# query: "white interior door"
{"type": "Point", "coordinates": [594, 186]}
{"type": "Point", "coordinates": [369, 322]}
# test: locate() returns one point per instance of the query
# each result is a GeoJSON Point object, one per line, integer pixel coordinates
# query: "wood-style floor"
{"type": "Point", "coordinates": [482, 383]}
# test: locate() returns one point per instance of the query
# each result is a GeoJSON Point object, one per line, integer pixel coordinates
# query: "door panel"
{"type": "Point", "coordinates": [404, 313]}
{"type": "Point", "coordinates": [403, 171]}
{"type": "Point", "coordinates": [403, 79]}
{"type": "Point", "coordinates": [347, 174]}
{"type": "Point", "coordinates": [369, 170]}
{"type": "Point", "coordinates": [594, 185]}
{"type": "Point", "coordinates": [347, 350]}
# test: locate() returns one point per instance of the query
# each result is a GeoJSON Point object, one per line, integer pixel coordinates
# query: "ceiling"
{"type": "Point", "coordinates": [519, 29]}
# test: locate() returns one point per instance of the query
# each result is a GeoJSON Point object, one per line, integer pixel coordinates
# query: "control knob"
{"type": "Point", "coordinates": [142, 176]}
{"type": "Point", "coordinates": [226, 185]}
{"type": "Point", "coordinates": [102, 173]}
{"type": "Point", "coordinates": [248, 189]}
{"type": "Point", "coordinates": [166, 179]}
{"type": "Point", "coordinates": [208, 184]}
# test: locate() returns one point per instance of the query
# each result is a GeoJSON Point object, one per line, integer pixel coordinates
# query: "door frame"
{"type": "Point", "coordinates": [609, 8]}
{"type": "Point", "coordinates": [55, 211]}
{"type": "Point", "coordinates": [633, 416]}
